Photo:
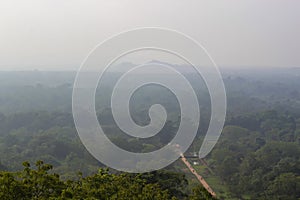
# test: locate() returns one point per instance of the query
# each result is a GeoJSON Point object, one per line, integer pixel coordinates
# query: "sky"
{"type": "Point", "coordinates": [59, 34]}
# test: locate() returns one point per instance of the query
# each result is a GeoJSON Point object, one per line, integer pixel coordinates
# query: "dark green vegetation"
{"type": "Point", "coordinates": [260, 159]}
{"type": "Point", "coordinates": [40, 183]}
{"type": "Point", "coordinates": [257, 156]}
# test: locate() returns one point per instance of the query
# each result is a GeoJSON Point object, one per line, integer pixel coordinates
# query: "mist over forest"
{"type": "Point", "coordinates": [256, 157]}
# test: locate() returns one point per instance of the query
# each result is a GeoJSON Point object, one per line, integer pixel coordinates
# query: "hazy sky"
{"type": "Point", "coordinates": [58, 34]}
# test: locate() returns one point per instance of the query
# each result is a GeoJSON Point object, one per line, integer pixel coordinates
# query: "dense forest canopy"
{"type": "Point", "coordinates": [257, 156]}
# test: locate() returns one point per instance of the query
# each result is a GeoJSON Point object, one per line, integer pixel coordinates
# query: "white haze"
{"type": "Point", "coordinates": [58, 34]}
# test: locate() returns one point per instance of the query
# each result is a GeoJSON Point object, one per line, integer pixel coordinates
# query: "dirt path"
{"type": "Point", "coordinates": [200, 178]}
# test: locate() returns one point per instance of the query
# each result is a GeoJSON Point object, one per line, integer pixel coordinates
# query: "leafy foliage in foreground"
{"type": "Point", "coordinates": [40, 184]}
